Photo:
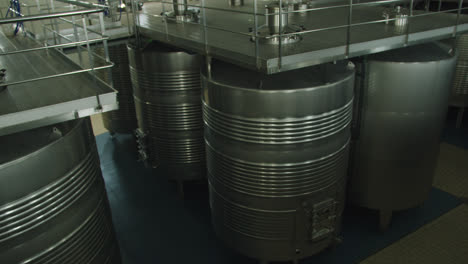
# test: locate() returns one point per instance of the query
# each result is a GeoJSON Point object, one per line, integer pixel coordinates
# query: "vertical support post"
{"type": "Point", "coordinates": [78, 47]}
{"type": "Point", "coordinates": [128, 21]}
{"type": "Point", "coordinates": [56, 25]}
{"type": "Point", "coordinates": [409, 23]}
{"type": "Point", "coordinates": [280, 46]}
{"type": "Point", "coordinates": [110, 80]}
{"type": "Point", "coordinates": [33, 26]}
{"type": "Point", "coordinates": [52, 25]}
{"type": "Point", "coordinates": [440, 6]}
{"type": "Point", "coordinates": [44, 32]}
{"type": "Point", "coordinates": [166, 29]}
{"type": "Point", "coordinates": [455, 29]}
{"type": "Point", "coordinates": [205, 32]}
{"type": "Point", "coordinates": [88, 47]}
{"type": "Point", "coordinates": [385, 218]}
{"type": "Point", "coordinates": [136, 20]}
{"type": "Point", "coordinates": [348, 31]}
{"type": "Point", "coordinates": [255, 32]}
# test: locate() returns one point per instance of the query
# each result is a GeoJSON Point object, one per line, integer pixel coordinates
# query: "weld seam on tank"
{"type": "Point", "coordinates": [303, 133]}
{"type": "Point", "coordinates": [246, 184]}
{"type": "Point", "coordinates": [83, 184]}
{"type": "Point", "coordinates": [239, 213]}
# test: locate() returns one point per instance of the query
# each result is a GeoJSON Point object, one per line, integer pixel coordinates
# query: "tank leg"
{"type": "Point", "coordinates": [337, 241]}
{"type": "Point", "coordinates": [385, 219]}
{"type": "Point", "coordinates": [180, 189]}
{"type": "Point", "coordinates": [461, 112]}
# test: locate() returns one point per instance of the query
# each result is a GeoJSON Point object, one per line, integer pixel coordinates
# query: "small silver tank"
{"type": "Point", "coordinates": [166, 84]}
{"type": "Point", "coordinates": [53, 204]}
{"type": "Point", "coordinates": [277, 155]}
{"type": "Point", "coordinates": [403, 104]}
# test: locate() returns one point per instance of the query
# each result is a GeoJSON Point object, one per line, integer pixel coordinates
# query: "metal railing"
{"type": "Point", "coordinates": [78, 20]}
{"type": "Point", "coordinates": [253, 12]}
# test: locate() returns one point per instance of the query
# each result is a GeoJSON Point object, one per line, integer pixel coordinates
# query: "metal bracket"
{"type": "Point", "coordinates": [99, 105]}
{"type": "Point", "coordinates": [321, 218]}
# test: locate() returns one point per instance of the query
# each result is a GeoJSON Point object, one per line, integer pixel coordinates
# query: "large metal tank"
{"type": "Point", "coordinates": [53, 205]}
{"type": "Point", "coordinates": [403, 104]}
{"type": "Point", "coordinates": [166, 84]}
{"type": "Point", "coordinates": [124, 119]}
{"type": "Point", "coordinates": [459, 97]}
{"type": "Point", "coordinates": [277, 155]}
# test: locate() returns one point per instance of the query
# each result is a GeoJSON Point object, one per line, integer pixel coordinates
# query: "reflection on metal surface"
{"type": "Point", "coordinates": [122, 120]}
{"type": "Point", "coordinates": [277, 154]}
{"type": "Point", "coordinates": [166, 86]}
{"type": "Point", "coordinates": [278, 24]}
{"type": "Point", "coordinates": [397, 17]}
{"type": "Point", "coordinates": [404, 101]}
{"type": "Point", "coordinates": [236, 2]}
{"type": "Point", "coordinates": [181, 13]}
{"type": "Point", "coordinates": [53, 204]}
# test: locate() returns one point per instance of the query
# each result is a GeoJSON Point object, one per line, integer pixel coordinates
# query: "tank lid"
{"type": "Point", "coordinates": [232, 75]}
{"type": "Point", "coordinates": [428, 52]}
{"type": "Point", "coordinates": [20, 144]}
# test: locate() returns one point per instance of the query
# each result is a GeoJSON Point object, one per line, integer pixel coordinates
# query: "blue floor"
{"type": "Point", "coordinates": [154, 225]}
{"type": "Point", "coordinates": [453, 135]}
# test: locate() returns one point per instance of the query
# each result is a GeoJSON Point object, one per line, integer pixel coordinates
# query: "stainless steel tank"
{"type": "Point", "coordinates": [403, 104]}
{"type": "Point", "coordinates": [53, 205]}
{"type": "Point", "coordinates": [122, 120]}
{"type": "Point", "coordinates": [167, 92]}
{"type": "Point", "coordinates": [277, 155]}
{"type": "Point", "coordinates": [459, 97]}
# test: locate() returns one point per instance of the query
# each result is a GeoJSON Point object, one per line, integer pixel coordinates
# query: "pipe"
{"type": "Point", "coordinates": [49, 16]}
{"type": "Point", "coordinates": [83, 4]}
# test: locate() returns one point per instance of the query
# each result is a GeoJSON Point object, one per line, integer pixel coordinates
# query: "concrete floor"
{"type": "Point", "coordinates": [444, 240]}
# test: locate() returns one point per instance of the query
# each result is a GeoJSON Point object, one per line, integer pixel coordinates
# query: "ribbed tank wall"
{"type": "Point", "coordinates": [277, 152]}
{"type": "Point", "coordinates": [404, 102]}
{"type": "Point", "coordinates": [124, 119]}
{"type": "Point", "coordinates": [53, 204]}
{"type": "Point", "coordinates": [167, 95]}
{"type": "Point", "coordinates": [459, 96]}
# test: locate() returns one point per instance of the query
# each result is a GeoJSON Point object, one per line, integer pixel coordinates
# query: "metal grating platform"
{"type": "Point", "coordinates": [225, 33]}
{"type": "Point", "coordinates": [45, 87]}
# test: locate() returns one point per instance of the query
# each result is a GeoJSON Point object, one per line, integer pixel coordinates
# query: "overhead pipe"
{"type": "Point", "coordinates": [84, 4]}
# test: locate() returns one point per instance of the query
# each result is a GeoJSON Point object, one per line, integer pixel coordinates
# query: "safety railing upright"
{"type": "Point", "coordinates": [280, 35]}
